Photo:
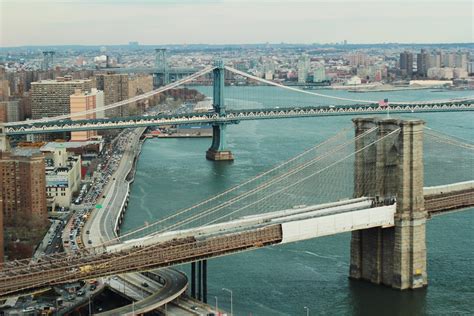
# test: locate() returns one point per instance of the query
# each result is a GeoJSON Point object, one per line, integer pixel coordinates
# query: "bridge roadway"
{"type": "Point", "coordinates": [446, 198]}
{"type": "Point", "coordinates": [231, 117]}
{"type": "Point", "coordinates": [247, 233]}
{"type": "Point", "coordinates": [104, 223]}
{"type": "Point", "coordinates": [257, 232]}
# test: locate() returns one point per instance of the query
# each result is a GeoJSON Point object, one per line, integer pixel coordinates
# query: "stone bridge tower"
{"type": "Point", "coordinates": [392, 168]}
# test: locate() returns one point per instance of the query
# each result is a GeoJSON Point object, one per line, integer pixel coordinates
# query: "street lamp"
{"type": "Point", "coordinates": [217, 306]}
{"type": "Point", "coordinates": [307, 311]}
{"type": "Point", "coordinates": [231, 305]}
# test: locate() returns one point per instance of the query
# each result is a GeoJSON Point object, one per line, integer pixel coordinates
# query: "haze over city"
{"type": "Point", "coordinates": [61, 22]}
{"type": "Point", "coordinates": [236, 157]}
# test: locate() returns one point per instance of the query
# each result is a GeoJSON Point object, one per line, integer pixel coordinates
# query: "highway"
{"type": "Point", "coordinates": [103, 227]}
{"type": "Point", "coordinates": [174, 283]}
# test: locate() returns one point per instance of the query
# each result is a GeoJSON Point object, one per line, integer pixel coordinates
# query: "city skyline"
{"type": "Point", "coordinates": [61, 22]}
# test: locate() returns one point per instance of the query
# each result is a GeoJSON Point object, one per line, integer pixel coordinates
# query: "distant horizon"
{"type": "Point", "coordinates": [246, 44]}
{"type": "Point", "coordinates": [222, 22]}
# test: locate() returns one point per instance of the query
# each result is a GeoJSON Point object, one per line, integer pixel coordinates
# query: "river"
{"type": "Point", "coordinates": [282, 280]}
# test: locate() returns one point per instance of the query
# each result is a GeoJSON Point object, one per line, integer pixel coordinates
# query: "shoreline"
{"type": "Point", "coordinates": [129, 179]}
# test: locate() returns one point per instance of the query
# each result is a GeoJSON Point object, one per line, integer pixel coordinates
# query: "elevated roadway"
{"type": "Point", "coordinates": [231, 116]}
{"type": "Point", "coordinates": [247, 233]}
{"type": "Point", "coordinates": [104, 225]}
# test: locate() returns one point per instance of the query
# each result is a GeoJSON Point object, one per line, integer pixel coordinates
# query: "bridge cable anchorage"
{"type": "Point", "coordinates": [116, 104]}
{"type": "Point", "coordinates": [232, 189]}
{"type": "Point", "coordinates": [254, 191]}
{"type": "Point", "coordinates": [268, 82]}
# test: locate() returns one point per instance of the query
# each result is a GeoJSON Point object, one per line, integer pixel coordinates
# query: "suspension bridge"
{"type": "Point", "coordinates": [388, 199]}
{"type": "Point", "coordinates": [220, 115]}
{"type": "Point", "coordinates": [384, 204]}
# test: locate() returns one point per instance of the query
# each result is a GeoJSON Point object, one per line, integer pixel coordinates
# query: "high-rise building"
{"type": "Point", "coordinates": [11, 111]}
{"type": "Point", "coordinates": [137, 85]}
{"type": "Point", "coordinates": [470, 68]}
{"type": "Point", "coordinates": [4, 89]}
{"type": "Point", "coordinates": [51, 97]}
{"type": "Point", "coordinates": [422, 63]}
{"type": "Point", "coordinates": [22, 178]}
{"type": "Point", "coordinates": [48, 60]}
{"type": "Point", "coordinates": [435, 60]}
{"type": "Point", "coordinates": [303, 68]}
{"type": "Point", "coordinates": [358, 59]}
{"type": "Point", "coordinates": [448, 60]}
{"type": "Point", "coordinates": [23, 184]}
{"type": "Point", "coordinates": [2, 246]}
{"type": "Point", "coordinates": [119, 87]}
{"type": "Point", "coordinates": [406, 64]}
{"type": "Point", "coordinates": [82, 101]}
{"type": "Point", "coordinates": [461, 60]}
{"type": "Point", "coordinates": [115, 87]}
{"type": "Point", "coordinates": [319, 74]}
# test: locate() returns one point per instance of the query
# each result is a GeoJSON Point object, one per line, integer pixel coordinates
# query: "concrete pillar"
{"type": "Point", "coordinates": [199, 294]}
{"type": "Point", "coordinates": [392, 168]}
{"type": "Point", "coordinates": [204, 281]}
{"type": "Point", "coordinates": [218, 150]}
{"type": "Point", "coordinates": [193, 279]}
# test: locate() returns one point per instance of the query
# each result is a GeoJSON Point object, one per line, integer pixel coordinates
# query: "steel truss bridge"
{"type": "Point", "coordinates": [233, 116]}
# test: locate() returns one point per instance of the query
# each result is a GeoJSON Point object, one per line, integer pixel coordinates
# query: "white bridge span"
{"type": "Point", "coordinates": [299, 223]}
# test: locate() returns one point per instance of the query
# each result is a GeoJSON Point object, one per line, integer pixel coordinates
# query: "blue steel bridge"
{"type": "Point", "coordinates": [220, 116]}
{"type": "Point", "coordinates": [232, 116]}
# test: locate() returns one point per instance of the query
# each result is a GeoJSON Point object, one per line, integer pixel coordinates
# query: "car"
{"type": "Point", "coordinates": [144, 284]}
{"type": "Point", "coordinates": [81, 292]}
{"type": "Point", "coordinates": [92, 287]}
{"type": "Point", "coordinates": [70, 297]}
{"type": "Point", "coordinates": [89, 242]}
{"type": "Point", "coordinates": [88, 232]}
{"type": "Point", "coordinates": [29, 309]}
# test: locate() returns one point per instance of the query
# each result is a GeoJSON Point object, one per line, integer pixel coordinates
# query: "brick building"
{"type": "Point", "coordinates": [23, 197]}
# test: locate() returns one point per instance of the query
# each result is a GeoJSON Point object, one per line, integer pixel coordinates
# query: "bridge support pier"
{"type": "Point", "coordinates": [193, 279]}
{"type": "Point", "coordinates": [392, 168]}
{"type": "Point", "coordinates": [200, 281]}
{"type": "Point", "coordinates": [218, 150]}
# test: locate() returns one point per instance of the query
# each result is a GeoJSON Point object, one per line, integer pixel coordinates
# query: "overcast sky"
{"type": "Point", "coordinates": [103, 22]}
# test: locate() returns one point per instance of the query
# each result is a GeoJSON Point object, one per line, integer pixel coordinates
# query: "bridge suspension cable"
{"type": "Point", "coordinates": [223, 204]}
{"type": "Point", "coordinates": [117, 104]}
{"type": "Point", "coordinates": [96, 257]}
{"type": "Point", "coordinates": [134, 251]}
{"type": "Point", "coordinates": [449, 139]}
{"type": "Point", "coordinates": [272, 83]}
{"type": "Point", "coordinates": [265, 185]}
{"type": "Point", "coordinates": [236, 187]}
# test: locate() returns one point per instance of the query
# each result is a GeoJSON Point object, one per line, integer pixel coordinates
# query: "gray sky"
{"type": "Point", "coordinates": [50, 22]}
